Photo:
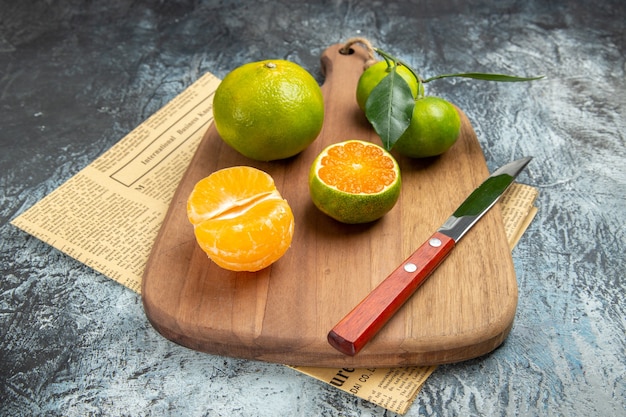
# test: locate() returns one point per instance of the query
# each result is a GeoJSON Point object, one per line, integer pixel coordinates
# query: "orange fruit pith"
{"type": "Point", "coordinates": [356, 168]}
{"type": "Point", "coordinates": [240, 219]}
{"type": "Point", "coordinates": [354, 182]}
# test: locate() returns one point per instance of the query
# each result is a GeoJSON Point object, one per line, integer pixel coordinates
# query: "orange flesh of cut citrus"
{"type": "Point", "coordinates": [240, 219]}
{"type": "Point", "coordinates": [357, 169]}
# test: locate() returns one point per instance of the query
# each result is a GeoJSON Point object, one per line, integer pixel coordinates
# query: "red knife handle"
{"type": "Point", "coordinates": [372, 313]}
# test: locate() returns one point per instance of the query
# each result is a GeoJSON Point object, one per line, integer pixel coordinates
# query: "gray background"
{"type": "Point", "coordinates": [76, 76]}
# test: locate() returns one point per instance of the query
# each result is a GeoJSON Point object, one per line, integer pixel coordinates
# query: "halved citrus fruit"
{"type": "Point", "coordinates": [240, 219]}
{"type": "Point", "coordinates": [355, 181]}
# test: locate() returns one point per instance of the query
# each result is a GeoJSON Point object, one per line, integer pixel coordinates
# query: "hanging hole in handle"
{"type": "Point", "coordinates": [344, 51]}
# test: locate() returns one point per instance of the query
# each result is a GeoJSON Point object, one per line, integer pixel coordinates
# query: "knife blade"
{"type": "Point", "coordinates": [361, 324]}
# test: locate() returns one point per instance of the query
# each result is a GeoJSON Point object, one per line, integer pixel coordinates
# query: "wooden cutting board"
{"type": "Point", "coordinates": [284, 312]}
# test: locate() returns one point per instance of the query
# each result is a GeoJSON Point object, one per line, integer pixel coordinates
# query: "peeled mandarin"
{"type": "Point", "coordinates": [240, 219]}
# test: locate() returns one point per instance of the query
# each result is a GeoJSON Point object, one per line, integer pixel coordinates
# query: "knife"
{"type": "Point", "coordinates": [361, 324]}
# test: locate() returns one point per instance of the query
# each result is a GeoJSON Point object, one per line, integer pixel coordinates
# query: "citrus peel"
{"type": "Point", "coordinates": [354, 181]}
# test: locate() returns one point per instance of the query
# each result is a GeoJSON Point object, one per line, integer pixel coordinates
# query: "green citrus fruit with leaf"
{"type": "Point", "coordinates": [355, 181]}
{"type": "Point", "coordinates": [434, 128]}
{"type": "Point", "coordinates": [374, 74]}
{"type": "Point", "coordinates": [268, 110]}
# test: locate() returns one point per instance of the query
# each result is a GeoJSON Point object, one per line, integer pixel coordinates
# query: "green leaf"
{"type": "Point", "coordinates": [486, 77]}
{"type": "Point", "coordinates": [389, 108]}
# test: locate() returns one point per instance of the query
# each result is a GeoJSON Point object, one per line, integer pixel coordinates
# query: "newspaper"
{"type": "Point", "coordinates": [392, 388]}
{"type": "Point", "coordinates": [108, 215]}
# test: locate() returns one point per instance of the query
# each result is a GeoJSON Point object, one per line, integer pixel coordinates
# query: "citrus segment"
{"type": "Point", "coordinates": [354, 181]}
{"type": "Point", "coordinates": [268, 110]}
{"type": "Point", "coordinates": [240, 219]}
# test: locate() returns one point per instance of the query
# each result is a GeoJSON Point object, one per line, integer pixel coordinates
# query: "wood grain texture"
{"type": "Point", "coordinates": [283, 313]}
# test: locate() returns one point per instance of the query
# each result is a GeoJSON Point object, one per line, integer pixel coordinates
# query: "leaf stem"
{"type": "Point", "coordinates": [486, 77]}
{"type": "Point", "coordinates": [475, 75]}
{"type": "Point", "coordinates": [397, 61]}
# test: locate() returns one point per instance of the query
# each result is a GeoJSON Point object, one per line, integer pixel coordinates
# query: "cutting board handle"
{"type": "Point", "coordinates": [341, 57]}
{"type": "Point", "coordinates": [343, 119]}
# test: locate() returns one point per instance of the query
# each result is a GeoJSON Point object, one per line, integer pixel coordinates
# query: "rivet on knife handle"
{"type": "Point", "coordinates": [353, 332]}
